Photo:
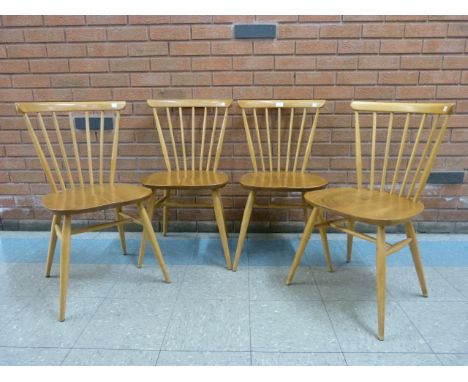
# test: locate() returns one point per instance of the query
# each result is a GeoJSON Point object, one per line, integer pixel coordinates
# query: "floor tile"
{"type": "Point", "coordinates": [148, 283]}
{"type": "Point", "coordinates": [355, 323]}
{"type": "Point", "coordinates": [127, 324]}
{"type": "Point", "coordinates": [209, 325]}
{"type": "Point", "coordinates": [38, 325]}
{"type": "Point", "coordinates": [31, 356]}
{"type": "Point", "coordinates": [210, 252]}
{"type": "Point", "coordinates": [214, 282]}
{"type": "Point", "coordinates": [297, 359]}
{"type": "Point", "coordinates": [85, 280]}
{"type": "Point", "coordinates": [291, 326]}
{"type": "Point", "coordinates": [391, 359]}
{"type": "Point", "coordinates": [176, 249]}
{"type": "Point", "coordinates": [277, 251]}
{"type": "Point", "coordinates": [10, 307]}
{"type": "Point", "coordinates": [444, 325]}
{"type": "Point", "coordinates": [455, 276]}
{"type": "Point", "coordinates": [454, 359]}
{"type": "Point", "coordinates": [174, 358]}
{"type": "Point", "coordinates": [269, 283]}
{"type": "Point", "coordinates": [22, 279]}
{"type": "Point", "coordinates": [105, 357]}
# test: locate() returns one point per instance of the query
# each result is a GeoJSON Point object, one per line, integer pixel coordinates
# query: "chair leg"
{"type": "Point", "coordinates": [411, 233]}
{"type": "Point", "coordinates": [349, 249]}
{"type": "Point", "coordinates": [148, 228]}
{"type": "Point", "coordinates": [219, 214]}
{"type": "Point", "coordinates": [64, 265]}
{"type": "Point", "coordinates": [323, 236]}
{"type": "Point", "coordinates": [165, 220]}
{"type": "Point", "coordinates": [381, 265]}
{"type": "Point", "coordinates": [144, 238]}
{"type": "Point", "coordinates": [304, 240]}
{"type": "Point", "coordinates": [56, 219]}
{"type": "Point", "coordinates": [120, 227]}
{"type": "Point", "coordinates": [243, 228]}
{"type": "Point", "coordinates": [305, 209]}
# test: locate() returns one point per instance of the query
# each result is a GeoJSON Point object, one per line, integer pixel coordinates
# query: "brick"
{"type": "Point", "coordinates": [337, 62]}
{"type": "Point", "coordinates": [416, 92]}
{"type": "Point", "coordinates": [379, 62]}
{"type": "Point", "coordinates": [274, 78]}
{"type": "Point", "coordinates": [232, 19]}
{"type": "Point", "coordinates": [292, 63]}
{"type": "Point", "coordinates": [253, 63]}
{"type": "Point", "coordinates": [340, 31]}
{"type": "Point", "coordinates": [400, 46]}
{"type": "Point", "coordinates": [88, 65]}
{"type": "Point", "coordinates": [127, 34]}
{"type": "Point", "coordinates": [211, 63]}
{"type": "Point", "coordinates": [170, 32]}
{"type": "Point", "coordinates": [464, 78]}
{"type": "Point", "coordinates": [452, 92]}
{"type": "Point", "coordinates": [70, 80]}
{"type": "Point", "coordinates": [426, 30]}
{"type": "Point", "coordinates": [383, 30]}
{"type": "Point", "coordinates": [199, 48]}
{"type": "Point", "coordinates": [276, 18]}
{"type": "Point", "coordinates": [399, 78]}
{"type": "Point", "coordinates": [7, 95]}
{"type": "Point", "coordinates": [458, 30]}
{"type": "Point", "coordinates": [52, 94]}
{"type": "Point", "coordinates": [170, 64]}
{"type": "Point", "coordinates": [232, 78]}
{"type": "Point", "coordinates": [319, 19]}
{"type": "Point", "coordinates": [315, 78]}
{"type": "Point", "coordinates": [5, 81]}
{"type": "Point", "coordinates": [212, 92]}
{"type": "Point", "coordinates": [356, 78]}
{"type": "Point", "coordinates": [150, 79]}
{"type": "Point", "coordinates": [374, 92]}
{"type": "Point", "coordinates": [231, 47]}
{"type": "Point", "coordinates": [107, 50]}
{"type": "Point", "coordinates": [86, 34]}
{"type": "Point", "coordinates": [148, 49]}
{"type": "Point", "coordinates": [129, 64]}
{"type": "Point", "coordinates": [194, 19]}
{"type": "Point", "coordinates": [66, 50]}
{"type": "Point", "coordinates": [30, 81]}
{"type": "Point", "coordinates": [10, 137]}
{"type": "Point", "coordinates": [14, 189]}
{"type": "Point", "coordinates": [273, 47]}
{"type": "Point", "coordinates": [211, 32]}
{"type": "Point", "coordinates": [439, 77]}
{"type": "Point", "coordinates": [106, 20]}
{"type": "Point", "coordinates": [406, 18]}
{"type": "Point", "coordinates": [297, 31]}
{"type": "Point", "coordinates": [421, 62]}
{"type": "Point", "coordinates": [44, 35]}
{"type": "Point", "coordinates": [444, 46]}
{"type": "Point", "coordinates": [455, 62]}
{"type": "Point", "coordinates": [252, 92]}
{"type": "Point", "coordinates": [334, 92]}
{"type": "Point", "coordinates": [358, 47]}
{"type": "Point", "coordinates": [316, 47]}
{"type": "Point", "coordinates": [149, 19]}
{"type": "Point", "coordinates": [95, 94]}
{"type": "Point", "coordinates": [64, 20]}
{"type": "Point", "coordinates": [26, 50]}
{"type": "Point", "coordinates": [49, 66]}
{"type": "Point", "coordinates": [191, 79]}
{"type": "Point", "coordinates": [110, 79]}
{"type": "Point", "coordinates": [11, 35]}
{"type": "Point", "coordinates": [21, 21]}
{"type": "Point", "coordinates": [364, 18]}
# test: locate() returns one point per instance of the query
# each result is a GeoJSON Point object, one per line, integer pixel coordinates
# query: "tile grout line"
{"type": "Point", "coordinates": [448, 281]}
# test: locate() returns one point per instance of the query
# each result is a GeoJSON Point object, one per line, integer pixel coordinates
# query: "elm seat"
{"type": "Point", "coordinates": [92, 198]}
{"type": "Point", "coordinates": [186, 179]}
{"type": "Point", "coordinates": [282, 181]}
{"type": "Point", "coordinates": [365, 205]}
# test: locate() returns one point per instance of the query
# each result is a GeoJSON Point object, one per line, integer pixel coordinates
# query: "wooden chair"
{"type": "Point", "coordinates": [75, 190]}
{"type": "Point", "coordinates": [285, 171]}
{"type": "Point", "coordinates": [186, 165]}
{"type": "Point", "coordinates": [379, 204]}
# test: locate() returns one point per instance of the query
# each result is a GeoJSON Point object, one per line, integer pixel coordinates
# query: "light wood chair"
{"type": "Point", "coordinates": [75, 189]}
{"type": "Point", "coordinates": [191, 160]}
{"type": "Point", "coordinates": [292, 144]}
{"type": "Point", "coordinates": [377, 203]}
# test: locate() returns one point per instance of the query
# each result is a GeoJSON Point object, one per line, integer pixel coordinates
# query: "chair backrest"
{"type": "Point", "coordinates": [206, 125]}
{"type": "Point", "coordinates": [275, 142]}
{"type": "Point", "coordinates": [411, 134]}
{"type": "Point", "coordinates": [59, 144]}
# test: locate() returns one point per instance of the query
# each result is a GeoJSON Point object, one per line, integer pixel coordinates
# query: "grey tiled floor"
{"type": "Point", "coordinates": [120, 315]}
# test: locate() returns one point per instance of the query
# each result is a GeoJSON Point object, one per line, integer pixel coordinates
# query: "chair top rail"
{"type": "Point", "coordinates": [189, 102]}
{"type": "Point", "coordinates": [38, 107]}
{"type": "Point", "coordinates": [403, 107]}
{"type": "Point", "coordinates": [299, 103]}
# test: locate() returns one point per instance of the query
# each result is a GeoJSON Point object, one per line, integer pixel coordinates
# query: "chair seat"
{"type": "Point", "coordinates": [282, 181]}
{"type": "Point", "coordinates": [373, 207]}
{"type": "Point", "coordinates": [186, 179]}
{"type": "Point", "coordinates": [92, 198]}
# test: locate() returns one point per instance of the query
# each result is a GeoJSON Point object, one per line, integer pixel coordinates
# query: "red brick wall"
{"type": "Point", "coordinates": [337, 58]}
